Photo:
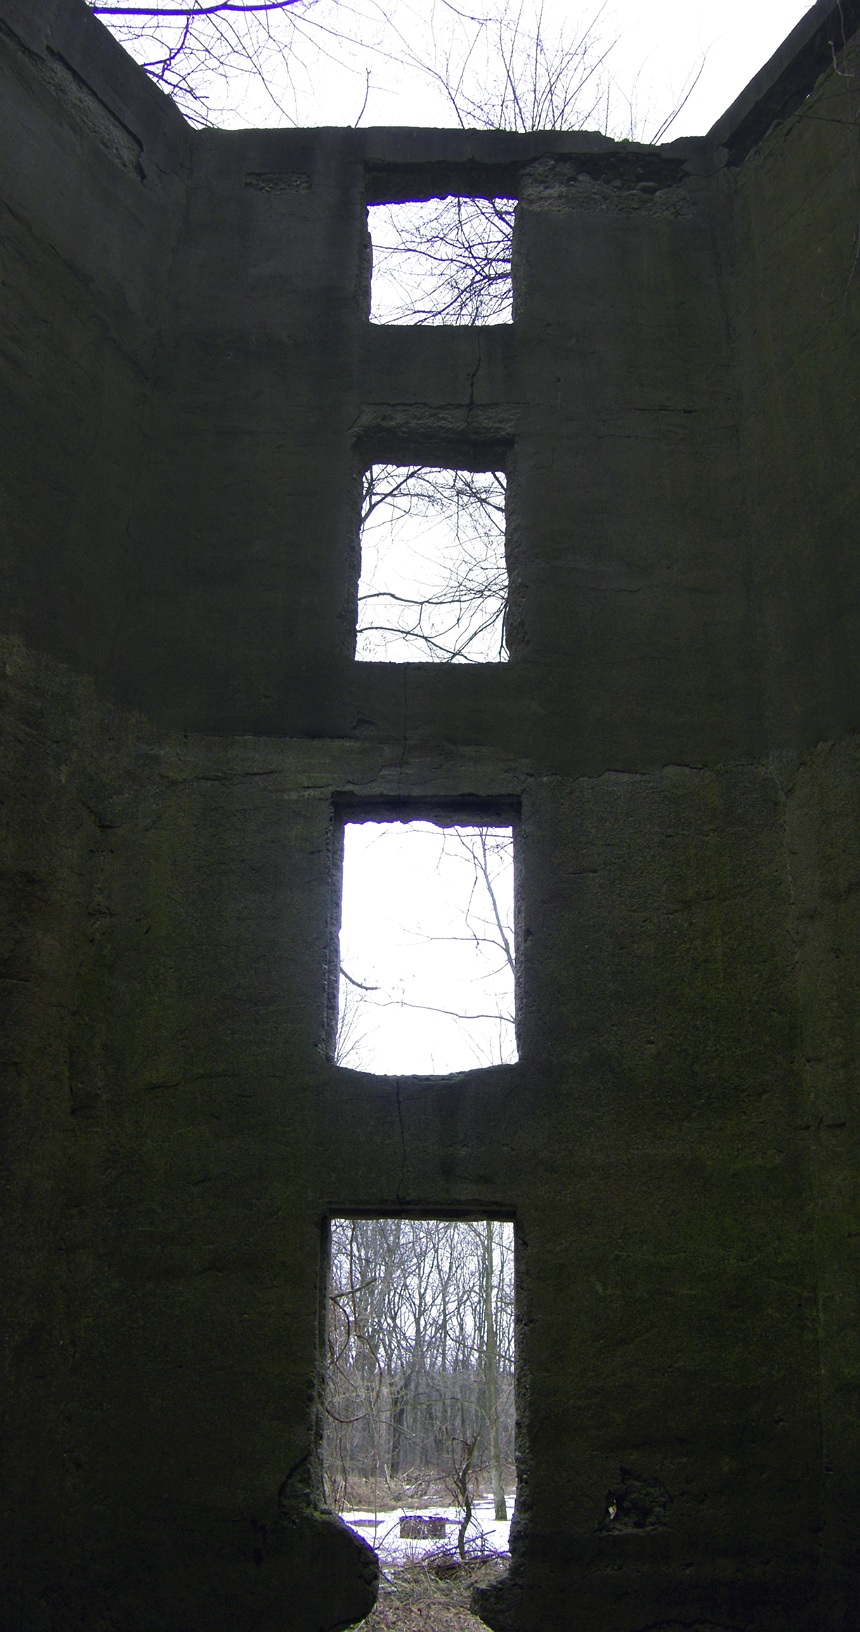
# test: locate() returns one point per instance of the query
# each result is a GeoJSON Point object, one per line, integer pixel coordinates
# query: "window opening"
{"type": "Point", "coordinates": [418, 1440]}
{"type": "Point", "coordinates": [426, 962]}
{"type": "Point", "coordinates": [433, 585]}
{"type": "Point", "coordinates": [447, 260]}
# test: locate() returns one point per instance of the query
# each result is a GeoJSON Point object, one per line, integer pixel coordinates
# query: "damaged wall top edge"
{"type": "Point", "coordinates": [418, 163]}
{"type": "Point", "coordinates": [787, 79]}
{"type": "Point", "coordinates": [67, 33]}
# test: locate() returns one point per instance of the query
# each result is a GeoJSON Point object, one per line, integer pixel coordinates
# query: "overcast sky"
{"type": "Point", "coordinates": [659, 45]}
{"type": "Point", "coordinates": [418, 936]}
{"type": "Point", "coordinates": [664, 40]}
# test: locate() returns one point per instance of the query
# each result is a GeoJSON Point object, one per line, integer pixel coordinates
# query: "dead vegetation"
{"type": "Point", "coordinates": [432, 1596]}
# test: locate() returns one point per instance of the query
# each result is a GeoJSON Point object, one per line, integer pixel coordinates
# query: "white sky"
{"type": "Point", "coordinates": [416, 928]}
{"type": "Point", "coordinates": [342, 62]}
{"type": "Point", "coordinates": [659, 45]}
{"type": "Point", "coordinates": [664, 40]}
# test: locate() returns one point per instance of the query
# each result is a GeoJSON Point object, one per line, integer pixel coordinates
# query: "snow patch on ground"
{"type": "Point", "coordinates": [382, 1531]}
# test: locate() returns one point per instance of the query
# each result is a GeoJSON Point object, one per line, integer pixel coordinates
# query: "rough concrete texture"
{"type": "Point", "coordinates": [189, 381]}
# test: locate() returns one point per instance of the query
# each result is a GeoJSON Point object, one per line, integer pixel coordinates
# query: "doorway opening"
{"type": "Point", "coordinates": [418, 1442]}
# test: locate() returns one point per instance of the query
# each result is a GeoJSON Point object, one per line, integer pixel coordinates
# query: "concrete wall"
{"type": "Point", "coordinates": [189, 378]}
{"type": "Point", "coordinates": [793, 302]}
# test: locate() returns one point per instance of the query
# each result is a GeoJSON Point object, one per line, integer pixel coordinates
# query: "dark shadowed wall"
{"type": "Point", "coordinates": [189, 384]}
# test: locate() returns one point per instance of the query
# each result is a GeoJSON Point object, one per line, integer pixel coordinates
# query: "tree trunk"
{"type": "Point", "coordinates": [491, 1382]}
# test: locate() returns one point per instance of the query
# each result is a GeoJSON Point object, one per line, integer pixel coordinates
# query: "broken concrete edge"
{"type": "Point", "coordinates": [415, 162]}
{"type": "Point", "coordinates": [66, 34]}
{"type": "Point", "coordinates": [779, 88]}
{"type": "Point", "coordinates": [423, 163]}
{"type": "Point", "coordinates": [306, 1523]}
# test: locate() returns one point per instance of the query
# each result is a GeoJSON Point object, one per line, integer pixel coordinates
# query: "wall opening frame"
{"type": "Point", "coordinates": [419, 1373]}
{"type": "Point", "coordinates": [441, 1036]}
{"type": "Point", "coordinates": [442, 243]}
{"type": "Point", "coordinates": [432, 551]}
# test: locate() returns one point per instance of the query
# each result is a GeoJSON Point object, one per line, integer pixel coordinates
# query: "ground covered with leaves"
{"type": "Point", "coordinates": [432, 1596]}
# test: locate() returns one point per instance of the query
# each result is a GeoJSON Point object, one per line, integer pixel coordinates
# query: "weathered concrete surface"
{"type": "Point", "coordinates": [189, 380]}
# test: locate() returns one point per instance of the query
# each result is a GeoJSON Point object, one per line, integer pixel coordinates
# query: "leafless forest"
{"type": "Point", "coordinates": [420, 1391]}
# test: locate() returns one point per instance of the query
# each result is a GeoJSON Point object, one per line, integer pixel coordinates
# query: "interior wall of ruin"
{"type": "Point", "coordinates": [189, 380]}
{"type": "Point", "coordinates": [793, 313]}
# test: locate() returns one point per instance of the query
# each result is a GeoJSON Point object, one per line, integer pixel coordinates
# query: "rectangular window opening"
{"type": "Point", "coordinates": [426, 955]}
{"type": "Point", "coordinates": [433, 581]}
{"type": "Point", "coordinates": [443, 260]}
{"type": "Point", "coordinates": [419, 1384]}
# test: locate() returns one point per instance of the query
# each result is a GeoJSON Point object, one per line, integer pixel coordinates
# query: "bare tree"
{"type": "Point", "coordinates": [420, 1370]}
{"type": "Point", "coordinates": [206, 53]}
{"type": "Point", "coordinates": [192, 51]}
{"type": "Point", "coordinates": [490, 1366]}
{"type": "Point", "coordinates": [209, 54]}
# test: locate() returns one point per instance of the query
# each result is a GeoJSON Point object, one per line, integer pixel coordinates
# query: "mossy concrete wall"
{"type": "Point", "coordinates": [189, 379]}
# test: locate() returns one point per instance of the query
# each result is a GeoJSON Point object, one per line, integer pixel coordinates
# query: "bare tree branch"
{"type": "Point", "coordinates": [193, 11]}
{"type": "Point", "coordinates": [434, 579]}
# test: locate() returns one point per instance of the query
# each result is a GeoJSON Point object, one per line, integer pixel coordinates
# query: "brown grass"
{"type": "Point", "coordinates": [433, 1596]}
{"type": "Point", "coordinates": [387, 1495]}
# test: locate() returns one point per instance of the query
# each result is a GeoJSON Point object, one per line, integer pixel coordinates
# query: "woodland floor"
{"type": "Point", "coordinates": [417, 1598]}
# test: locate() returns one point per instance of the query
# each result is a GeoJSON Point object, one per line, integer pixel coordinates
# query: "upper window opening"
{"type": "Point", "coordinates": [426, 948]}
{"type": "Point", "coordinates": [433, 585]}
{"type": "Point", "coordinates": [447, 260]}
